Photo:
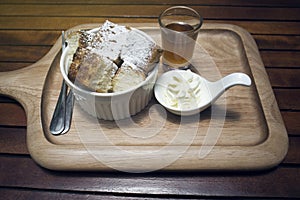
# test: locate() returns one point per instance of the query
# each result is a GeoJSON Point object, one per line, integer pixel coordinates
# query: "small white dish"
{"type": "Point", "coordinates": [186, 93]}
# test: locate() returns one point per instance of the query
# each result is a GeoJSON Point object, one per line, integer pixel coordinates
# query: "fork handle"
{"type": "Point", "coordinates": [69, 112]}
{"type": "Point", "coordinates": [57, 124]}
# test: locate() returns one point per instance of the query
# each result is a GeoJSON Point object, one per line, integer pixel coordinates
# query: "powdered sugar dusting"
{"type": "Point", "coordinates": [129, 50]}
{"type": "Point", "coordinates": [116, 41]}
{"type": "Point", "coordinates": [137, 49]}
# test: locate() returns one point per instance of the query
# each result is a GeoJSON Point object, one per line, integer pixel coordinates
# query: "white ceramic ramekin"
{"type": "Point", "coordinates": [111, 106]}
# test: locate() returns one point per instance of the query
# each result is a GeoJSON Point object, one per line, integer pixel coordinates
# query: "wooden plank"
{"type": "Point", "coordinates": [269, 3]}
{"type": "Point", "coordinates": [23, 53]}
{"type": "Point", "coordinates": [291, 121]}
{"type": "Point", "coordinates": [28, 37]}
{"type": "Point", "coordinates": [13, 140]}
{"type": "Point", "coordinates": [32, 194]}
{"type": "Point", "coordinates": [59, 23]}
{"type": "Point", "coordinates": [208, 12]}
{"type": "Point", "coordinates": [12, 114]}
{"type": "Point", "coordinates": [277, 42]}
{"type": "Point", "coordinates": [284, 77]}
{"type": "Point", "coordinates": [10, 66]}
{"type": "Point", "coordinates": [23, 172]}
{"type": "Point", "coordinates": [281, 58]}
{"type": "Point", "coordinates": [263, 27]}
{"type": "Point", "coordinates": [49, 37]}
{"type": "Point", "coordinates": [293, 156]}
{"type": "Point", "coordinates": [288, 99]}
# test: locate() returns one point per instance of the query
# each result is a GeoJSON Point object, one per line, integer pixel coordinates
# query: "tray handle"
{"type": "Point", "coordinates": [26, 84]}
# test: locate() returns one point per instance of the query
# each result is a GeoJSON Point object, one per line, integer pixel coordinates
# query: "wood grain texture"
{"type": "Point", "coordinates": [291, 120]}
{"type": "Point", "coordinates": [13, 140]}
{"type": "Point", "coordinates": [11, 193]}
{"type": "Point", "coordinates": [149, 11]}
{"type": "Point", "coordinates": [45, 149]}
{"type": "Point", "coordinates": [194, 184]}
{"type": "Point", "coordinates": [23, 54]}
{"type": "Point", "coordinates": [278, 42]}
{"type": "Point", "coordinates": [8, 115]}
{"type": "Point", "coordinates": [288, 99]}
{"type": "Point", "coordinates": [49, 37]}
{"type": "Point", "coordinates": [285, 77]}
{"type": "Point", "coordinates": [273, 3]}
{"type": "Point", "coordinates": [293, 157]}
{"type": "Point", "coordinates": [58, 23]}
{"type": "Point", "coordinates": [281, 58]}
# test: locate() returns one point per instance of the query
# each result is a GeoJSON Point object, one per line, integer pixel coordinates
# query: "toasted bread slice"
{"type": "Point", "coordinates": [127, 77]}
{"type": "Point", "coordinates": [95, 73]}
{"type": "Point", "coordinates": [112, 58]}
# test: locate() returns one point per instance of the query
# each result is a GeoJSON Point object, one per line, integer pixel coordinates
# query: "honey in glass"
{"type": "Point", "coordinates": [172, 57]}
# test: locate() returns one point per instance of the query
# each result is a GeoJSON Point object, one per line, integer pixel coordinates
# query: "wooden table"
{"type": "Point", "coordinates": [28, 29]}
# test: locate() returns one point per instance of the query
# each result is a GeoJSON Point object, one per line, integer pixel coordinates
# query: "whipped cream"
{"type": "Point", "coordinates": [183, 91]}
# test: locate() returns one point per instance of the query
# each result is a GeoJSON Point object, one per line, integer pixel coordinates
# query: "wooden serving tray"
{"type": "Point", "coordinates": [243, 130]}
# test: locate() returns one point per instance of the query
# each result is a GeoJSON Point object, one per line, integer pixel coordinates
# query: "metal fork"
{"type": "Point", "coordinates": [69, 112]}
{"type": "Point", "coordinates": [62, 116]}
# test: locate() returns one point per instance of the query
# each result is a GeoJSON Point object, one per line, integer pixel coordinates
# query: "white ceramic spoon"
{"type": "Point", "coordinates": [186, 93]}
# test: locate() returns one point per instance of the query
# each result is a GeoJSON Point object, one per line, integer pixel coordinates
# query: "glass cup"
{"type": "Point", "coordinates": [179, 30]}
